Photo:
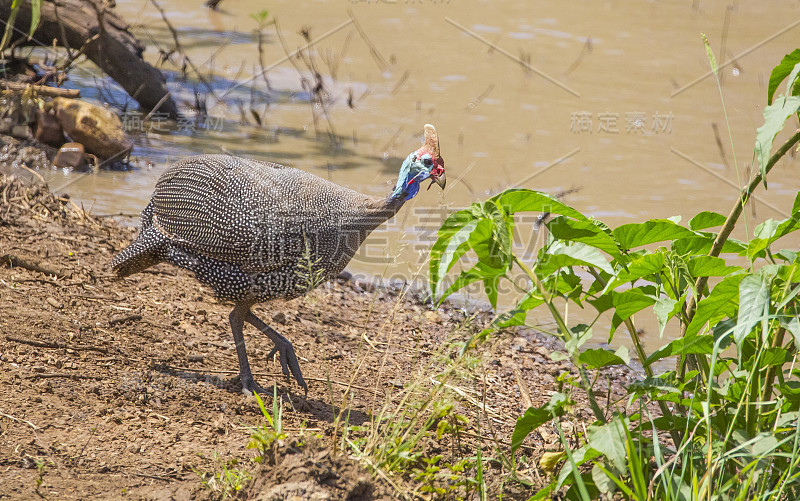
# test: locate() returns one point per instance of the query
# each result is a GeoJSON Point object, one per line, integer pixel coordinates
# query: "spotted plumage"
{"type": "Point", "coordinates": [255, 231]}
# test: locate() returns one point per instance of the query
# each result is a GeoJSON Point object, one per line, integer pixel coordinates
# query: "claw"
{"type": "Point", "coordinates": [289, 362]}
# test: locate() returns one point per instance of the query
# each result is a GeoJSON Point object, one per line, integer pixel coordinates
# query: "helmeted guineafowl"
{"type": "Point", "coordinates": [255, 231]}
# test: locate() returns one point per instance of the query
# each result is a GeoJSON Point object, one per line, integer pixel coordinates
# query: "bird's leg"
{"type": "Point", "coordinates": [282, 346]}
{"type": "Point", "coordinates": [249, 386]}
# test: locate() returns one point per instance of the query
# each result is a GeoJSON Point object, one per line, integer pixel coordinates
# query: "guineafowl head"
{"type": "Point", "coordinates": [425, 163]}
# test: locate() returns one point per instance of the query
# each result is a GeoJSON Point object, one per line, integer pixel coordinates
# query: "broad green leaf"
{"type": "Point", "coordinates": [792, 324]}
{"type": "Point", "coordinates": [535, 417]}
{"type": "Point", "coordinates": [701, 244]}
{"type": "Point", "coordinates": [655, 230]}
{"type": "Point", "coordinates": [578, 337]}
{"type": "Point", "coordinates": [756, 248]}
{"type": "Point", "coordinates": [663, 383]}
{"type": "Point", "coordinates": [585, 232]}
{"type": "Point", "coordinates": [754, 291]}
{"type": "Point", "coordinates": [664, 309]}
{"type": "Point", "coordinates": [580, 456]}
{"type": "Point", "coordinates": [787, 255]}
{"type": "Point", "coordinates": [446, 251]}
{"type": "Point", "coordinates": [624, 354]}
{"type": "Point", "coordinates": [633, 300]}
{"type": "Point", "coordinates": [602, 481]}
{"type": "Point", "coordinates": [532, 419]}
{"type": "Point", "coordinates": [641, 266]}
{"type": "Point", "coordinates": [694, 344]}
{"type": "Point", "coordinates": [467, 277]}
{"type": "Point", "coordinates": [766, 229]}
{"type": "Point", "coordinates": [709, 266]}
{"type": "Point", "coordinates": [705, 220]}
{"type": "Point", "coordinates": [483, 239]}
{"type": "Point", "coordinates": [770, 230]}
{"type": "Point", "coordinates": [775, 115]}
{"type": "Point", "coordinates": [609, 439]}
{"type": "Point", "coordinates": [594, 358]}
{"type": "Point", "coordinates": [561, 255]}
{"type": "Point", "coordinates": [780, 72]}
{"type": "Point", "coordinates": [773, 356]}
{"type": "Point", "coordinates": [722, 302]}
{"type": "Point", "coordinates": [523, 200]}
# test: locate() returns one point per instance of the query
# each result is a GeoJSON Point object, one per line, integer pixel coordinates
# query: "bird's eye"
{"type": "Point", "coordinates": [427, 161]}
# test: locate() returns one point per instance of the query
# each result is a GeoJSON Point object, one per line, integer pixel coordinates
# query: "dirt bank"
{"type": "Point", "coordinates": [127, 389]}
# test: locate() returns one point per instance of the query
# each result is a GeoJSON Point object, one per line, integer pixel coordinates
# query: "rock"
{"type": "Point", "coordinates": [6, 124]}
{"type": "Point", "coordinates": [280, 317]}
{"type": "Point", "coordinates": [98, 129]}
{"type": "Point", "coordinates": [21, 131]}
{"type": "Point", "coordinates": [48, 130]}
{"type": "Point", "coordinates": [70, 155]}
{"type": "Point", "coordinates": [433, 316]}
{"type": "Point", "coordinates": [54, 302]}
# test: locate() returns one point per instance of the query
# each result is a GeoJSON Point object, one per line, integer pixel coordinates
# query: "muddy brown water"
{"type": "Point", "coordinates": [614, 98]}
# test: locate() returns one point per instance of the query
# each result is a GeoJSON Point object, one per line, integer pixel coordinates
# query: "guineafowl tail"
{"type": "Point", "coordinates": [144, 252]}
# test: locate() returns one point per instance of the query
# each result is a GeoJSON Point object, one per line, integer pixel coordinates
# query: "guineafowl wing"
{"type": "Point", "coordinates": [257, 215]}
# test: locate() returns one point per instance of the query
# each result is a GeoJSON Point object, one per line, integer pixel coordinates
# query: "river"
{"type": "Point", "coordinates": [614, 100]}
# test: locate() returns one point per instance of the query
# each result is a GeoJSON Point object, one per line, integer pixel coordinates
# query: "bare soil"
{"type": "Point", "coordinates": [128, 389]}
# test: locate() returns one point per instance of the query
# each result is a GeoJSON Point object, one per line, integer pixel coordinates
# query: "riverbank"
{"type": "Point", "coordinates": [129, 388]}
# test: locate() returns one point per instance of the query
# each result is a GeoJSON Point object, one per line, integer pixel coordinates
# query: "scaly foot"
{"type": "Point", "coordinates": [289, 361]}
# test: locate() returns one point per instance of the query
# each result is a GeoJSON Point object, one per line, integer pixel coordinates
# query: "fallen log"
{"type": "Point", "coordinates": [93, 27]}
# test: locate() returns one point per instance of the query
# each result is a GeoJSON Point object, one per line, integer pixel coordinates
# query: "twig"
{"type": "Point", "coordinates": [44, 90]}
{"type": "Point", "coordinates": [53, 375]}
{"type": "Point", "coordinates": [19, 420]}
{"type": "Point", "coordinates": [182, 52]}
{"type": "Point", "coordinates": [400, 83]}
{"type": "Point", "coordinates": [13, 261]}
{"type": "Point", "coordinates": [379, 59]}
{"type": "Point", "coordinates": [523, 389]}
{"type": "Point", "coordinates": [34, 173]}
{"type": "Point", "coordinates": [124, 318]}
{"type": "Point", "coordinates": [53, 345]}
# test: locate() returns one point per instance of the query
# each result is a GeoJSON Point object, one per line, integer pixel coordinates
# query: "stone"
{"type": "Point", "coordinates": [70, 155]}
{"type": "Point", "coordinates": [21, 131]}
{"type": "Point", "coordinates": [98, 129]}
{"type": "Point", "coordinates": [48, 130]}
{"type": "Point", "coordinates": [6, 124]}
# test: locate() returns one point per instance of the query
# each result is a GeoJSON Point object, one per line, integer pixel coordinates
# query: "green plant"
{"type": "Point", "coordinates": [36, 11]}
{"type": "Point", "coordinates": [227, 481]}
{"type": "Point", "coordinates": [396, 442]}
{"type": "Point", "coordinates": [264, 437]}
{"type": "Point", "coordinates": [724, 424]}
{"type": "Point", "coordinates": [41, 470]}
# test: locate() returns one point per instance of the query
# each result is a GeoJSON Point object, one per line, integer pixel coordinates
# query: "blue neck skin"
{"type": "Point", "coordinates": [408, 181]}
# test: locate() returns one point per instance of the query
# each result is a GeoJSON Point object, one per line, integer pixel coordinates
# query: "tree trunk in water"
{"type": "Point", "coordinates": [75, 23]}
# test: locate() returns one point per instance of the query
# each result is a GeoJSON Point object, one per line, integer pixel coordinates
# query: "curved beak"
{"type": "Point", "coordinates": [441, 180]}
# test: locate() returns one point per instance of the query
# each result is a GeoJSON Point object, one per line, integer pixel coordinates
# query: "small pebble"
{"type": "Point", "coordinates": [54, 302]}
